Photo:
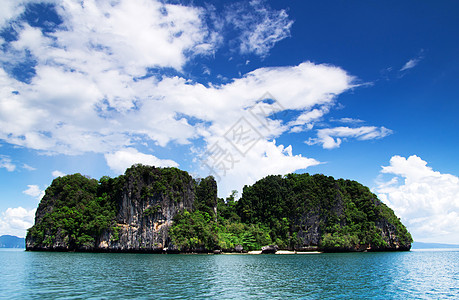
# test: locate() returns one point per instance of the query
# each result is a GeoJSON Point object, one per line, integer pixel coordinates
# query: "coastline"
{"type": "Point", "coordinates": [143, 251]}
{"type": "Point", "coordinates": [279, 252]}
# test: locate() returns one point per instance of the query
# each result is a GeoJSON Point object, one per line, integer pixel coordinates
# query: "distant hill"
{"type": "Point", "coordinates": [9, 241]}
{"type": "Point", "coordinates": [420, 245]}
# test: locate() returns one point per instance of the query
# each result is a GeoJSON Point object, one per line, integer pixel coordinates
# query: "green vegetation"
{"type": "Point", "coordinates": [198, 231]}
{"type": "Point", "coordinates": [292, 211]}
{"type": "Point", "coordinates": [206, 195]}
{"type": "Point", "coordinates": [295, 211]}
{"type": "Point", "coordinates": [77, 210]}
{"type": "Point", "coordinates": [152, 210]}
{"type": "Point", "coordinates": [80, 209]}
{"type": "Point", "coordinates": [349, 215]}
{"type": "Point", "coordinates": [204, 229]}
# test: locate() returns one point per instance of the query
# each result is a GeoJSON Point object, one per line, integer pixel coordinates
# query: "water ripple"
{"type": "Point", "coordinates": [407, 275]}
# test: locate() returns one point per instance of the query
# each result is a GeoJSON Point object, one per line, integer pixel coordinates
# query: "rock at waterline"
{"type": "Point", "coordinates": [269, 249]}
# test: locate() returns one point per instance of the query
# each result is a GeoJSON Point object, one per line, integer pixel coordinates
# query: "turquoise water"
{"type": "Point", "coordinates": [404, 275]}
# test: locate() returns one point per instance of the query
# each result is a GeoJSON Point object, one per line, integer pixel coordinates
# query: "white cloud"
{"type": "Point", "coordinates": [427, 201]}
{"type": "Point", "coordinates": [89, 66]}
{"type": "Point", "coordinates": [16, 221]}
{"type": "Point", "coordinates": [234, 170]}
{"type": "Point", "coordinates": [297, 87]}
{"type": "Point", "coordinates": [119, 161]}
{"type": "Point", "coordinates": [5, 162]}
{"type": "Point", "coordinates": [135, 33]}
{"type": "Point", "coordinates": [57, 173]}
{"type": "Point", "coordinates": [412, 62]}
{"type": "Point", "coordinates": [10, 10]}
{"type": "Point", "coordinates": [310, 116]}
{"type": "Point", "coordinates": [261, 27]}
{"type": "Point", "coordinates": [34, 191]}
{"type": "Point", "coordinates": [87, 79]}
{"type": "Point", "coordinates": [305, 121]}
{"type": "Point", "coordinates": [80, 120]}
{"type": "Point", "coordinates": [333, 137]}
{"type": "Point", "coordinates": [348, 120]}
{"type": "Point", "coordinates": [28, 168]}
{"type": "Point", "coordinates": [90, 86]}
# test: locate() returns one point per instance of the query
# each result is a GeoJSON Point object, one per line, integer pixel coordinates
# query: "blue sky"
{"type": "Point", "coordinates": [365, 90]}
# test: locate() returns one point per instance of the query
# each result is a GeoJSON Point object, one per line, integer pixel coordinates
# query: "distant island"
{"type": "Point", "coordinates": [421, 245]}
{"type": "Point", "coordinates": [10, 241]}
{"type": "Point", "coordinates": [165, 210]}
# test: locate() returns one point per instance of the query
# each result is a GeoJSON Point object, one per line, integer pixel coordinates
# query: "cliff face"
{"type": "Point", "coordinates": [146, 206]}
{"type": "Point", "coordinates": [130, 213]}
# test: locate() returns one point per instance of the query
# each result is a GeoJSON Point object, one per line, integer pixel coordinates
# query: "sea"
{"type": "Point", "coordinates": [420, 274]}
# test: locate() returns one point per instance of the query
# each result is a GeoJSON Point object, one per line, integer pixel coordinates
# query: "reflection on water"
{"type": "Point", "coordinates": [416, 274]}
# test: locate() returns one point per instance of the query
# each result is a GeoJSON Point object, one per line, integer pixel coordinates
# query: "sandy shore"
{"type": "Point", "coordinates": [280, 252]}
{"type": "Point", "coordinates": [285, 252]}
{"type": "Point", "coordinates": [297, 252]}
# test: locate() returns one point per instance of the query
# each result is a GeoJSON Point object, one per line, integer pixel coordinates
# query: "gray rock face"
{"type": "Point", "coordinates": [146, 199]}
{"type": "Point", "coordinates": [309, 231]}
{"type": "Point", "coordinates": [144, 218]}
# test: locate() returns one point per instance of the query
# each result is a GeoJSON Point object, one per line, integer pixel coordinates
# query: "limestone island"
{"type": "Point", "coordinates": [165, 210]}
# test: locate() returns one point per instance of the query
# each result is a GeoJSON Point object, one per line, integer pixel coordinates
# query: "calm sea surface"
{"type": "Point", "coordinates": [407, 275]}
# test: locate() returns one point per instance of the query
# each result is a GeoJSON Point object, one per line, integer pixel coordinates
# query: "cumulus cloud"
{"type": "Point", "coordinates": [89, 79]}
{"type": "Point", "coordinates": [80, 120]}
{"type": "Point", "coordinates": [310, 116]}
{"type": "Point", "coordinates": [34, 191]}
{"type": "Point", "coordinates": [120, 160]}
{"type": "Point", "coordinates": [16, 221]}
{"type": "Point", "coordinates": [233, 170]}
{"type": "Point", "coordinates": [87, 69]}
{"type": "Point", "coordinates": [10, 10]}
{"type": "Point", "coordinates": [305, 121]}
{"type": "Point", "coordinates": [427, 201]}
{"type": "Point", "coordinates": [57, 173]}
{"type": "Point", "coordinates": [332, 137]}
{"type": "Point", "coordinates": [97, 79]}
{"type": "Point", "coordinates": [308, 85]}
{"type": "Point", "coordinates": [5, 162]}
{"type": "Point", "coordinates": [135, 34]}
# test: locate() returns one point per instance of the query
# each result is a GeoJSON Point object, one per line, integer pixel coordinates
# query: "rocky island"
{"type": "Point", "coordinates": [158, 210]}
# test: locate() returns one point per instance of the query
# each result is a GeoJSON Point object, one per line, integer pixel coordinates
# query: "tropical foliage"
{"type": "Point", "coordinates": [77, 208]}
{"type": "Point", "coordinates": [292, 211]}
{"type": "Point", "coordinates": [349, 214]}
